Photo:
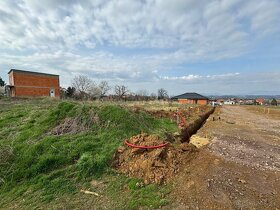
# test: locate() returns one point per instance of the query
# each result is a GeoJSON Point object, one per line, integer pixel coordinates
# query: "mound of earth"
{"type": "Point", "coordinates": [74, 125]}
{"type": "Point", "coordinates": [152, 165]}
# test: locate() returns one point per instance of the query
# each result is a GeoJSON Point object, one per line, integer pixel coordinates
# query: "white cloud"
{"type": "Point", "coordinates": [70, 37]}
{"type": "Point", "coordinates": [192, 77]}
{"type": "Point", "coordinates": [200, 26]}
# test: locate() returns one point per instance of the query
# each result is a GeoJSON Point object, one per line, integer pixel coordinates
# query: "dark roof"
{"type": "Point", "coordinates": [32, 72]}
{"type": "Point", "coordinates": [194, 96]}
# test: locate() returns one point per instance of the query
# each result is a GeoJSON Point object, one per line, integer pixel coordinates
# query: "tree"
{"type": "Point", "coordinates": [162, 94]}
{"type": "Point", "coordinates": [2, 82]}
{"type": "Point", "coordinates": [273, 102]}
{"type": "Point", "coordinates": [153, 96]}
{"type": "Point", "coordinates": [121, 91]}
{"type": "Point", "coordinates": [70, 92]}
{"type": "Point", "coordinates": [104, 88]}
{"type": "Point", "coordinates": [82, 83]}
{"type": "Point", "coordinates": [95, 91]}
{"type": "Point", "coordinates": [142, 93]}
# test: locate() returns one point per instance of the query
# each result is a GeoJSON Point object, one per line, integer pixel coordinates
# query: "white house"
{"type": "Point", "coordinates": [229, 102]}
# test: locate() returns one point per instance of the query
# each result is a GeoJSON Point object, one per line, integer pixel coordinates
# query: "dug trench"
{"type": "Point", "coordinates": [193, 126]}
{"type": "Point", "coordinates": [159, 165]}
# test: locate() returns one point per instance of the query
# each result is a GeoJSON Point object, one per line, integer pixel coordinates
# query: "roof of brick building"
{"type": "Point", "coordinates": [194, 96]}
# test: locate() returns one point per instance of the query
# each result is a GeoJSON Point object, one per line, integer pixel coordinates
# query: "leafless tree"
{"type": "Point", "coordinates": [121, 91]}
{"type": "Point", "coordinates": [162, 93]}
{"type": "Point", "coordinates": [153, 96]}
{"type": "Point", "coordinates": [104, 87]}
{"type": "Point", "coordinates": [82, 83]}
{"type": "Point", "coordinates": [142, 92]}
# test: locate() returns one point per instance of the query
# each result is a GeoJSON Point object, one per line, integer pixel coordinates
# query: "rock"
{"type": "Point", "coordinates": [159, 164]}
{"type": "Point", "coordinates": [137, 151]}
{"type": "Point", "coordinates": [121, 149]}
{"type": "Point", "coordinates": [242, 181]}
{"type": "Point", "coordinates": [185, 147]}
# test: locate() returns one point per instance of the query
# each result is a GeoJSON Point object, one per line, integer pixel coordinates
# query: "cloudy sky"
{"type": "Point", "coordinates": [207, 46]}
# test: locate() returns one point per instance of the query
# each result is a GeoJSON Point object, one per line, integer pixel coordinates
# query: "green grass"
{"type": "Point", "coordinates": [135, 194]}
{"type": "Point", "coordinates": [41, 168]}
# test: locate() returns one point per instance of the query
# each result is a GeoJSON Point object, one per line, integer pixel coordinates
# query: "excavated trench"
{"type": "Point", "coordinates": [162, 164]}
{"type": "Point", "coordinates": [195, 125]}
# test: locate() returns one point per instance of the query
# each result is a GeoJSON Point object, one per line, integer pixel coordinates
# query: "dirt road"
{"type": "Point", "coordinates": [239, 169]}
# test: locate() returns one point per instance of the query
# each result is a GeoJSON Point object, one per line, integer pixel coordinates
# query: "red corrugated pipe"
{"type": "Point", "coordinates": [145, 147]}
{"type": "Point", "coordinates": [181, 121]}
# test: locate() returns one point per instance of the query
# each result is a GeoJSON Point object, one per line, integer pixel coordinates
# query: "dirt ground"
{"type": "Point", "coordinates": [152, 165]}
{"type": "Point", "coordinates": [238, 169]}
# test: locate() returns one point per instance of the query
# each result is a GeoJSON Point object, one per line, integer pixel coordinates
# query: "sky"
{"type": "Point", "coordinates": [205, 46]}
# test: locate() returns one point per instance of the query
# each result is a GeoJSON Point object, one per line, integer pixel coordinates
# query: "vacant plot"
{"type": "Point", "coordinates": [271, 112]}
{"type": "Point", "coordinates": [60, 153]}
{"type": "Point", "coordinates": [71, 155]}
{"type": "Point", "coordinates": [238, 169]}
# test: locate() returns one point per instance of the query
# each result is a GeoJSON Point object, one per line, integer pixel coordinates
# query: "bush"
{"type": "Point", "coordinates": [274, 102]}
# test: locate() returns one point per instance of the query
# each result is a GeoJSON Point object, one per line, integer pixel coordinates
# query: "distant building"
{"type": "Point", "coordinates": [191, 98]}
{"type": "Point", "coordinates": [229, 102]}
{"type": "Point", "coordinates": [260, 101]}
{"type": "Point", "coordinates": [249, 101]}
{"type": "Point", "coordinates": [32, 84]}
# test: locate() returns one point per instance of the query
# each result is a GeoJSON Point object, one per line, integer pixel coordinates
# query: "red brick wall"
{"type": "Point", "coordinates": [28, 84]}
{"type": "Point", "coordinates": [28, 79]}
{"type": "Point", "coordinates": [202, 102]}
{"type": "Point", "coordinates": [189, 101]}
{"type": "Point", "coordinates": [185, 101]}
{"type": "Point", "coordinates": [33, 91]}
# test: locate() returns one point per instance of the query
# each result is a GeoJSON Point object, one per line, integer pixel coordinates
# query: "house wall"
{"type": "Point", "coordinates": [229, 103]}
{"type": "Point", "coordinates": [11, 78]}
{"type": "Point", "coordinates": [28, 84]}
{"type": "Point", "coordinates": [190, 101]}
{"type": "Point", "coordinates": [35, 91]}
{"type": "Point", "coordinates": [202, 102]}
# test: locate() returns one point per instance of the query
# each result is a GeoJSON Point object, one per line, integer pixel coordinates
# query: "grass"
{"type": "Point", "coordinates": [149, 196]}
{"type": "Point", "coordinates": [42, 168]}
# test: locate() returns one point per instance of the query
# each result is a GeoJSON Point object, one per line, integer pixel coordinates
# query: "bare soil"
{"type": "Point", "coordinates": [239, 169]}
{"type": "Point", "coordinates": [74, 125]}
{"type": "Point", "coordinates": [152, 165]}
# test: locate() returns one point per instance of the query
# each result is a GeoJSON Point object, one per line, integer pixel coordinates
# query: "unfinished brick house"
{"type": "Point", "coordinates": [32, 84]}
{"type": "Point", "coordinates": [191, 98]}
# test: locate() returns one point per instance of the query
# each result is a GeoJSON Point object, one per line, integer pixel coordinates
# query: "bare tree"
{"type": "Point", "coordinates": [153, 96]}
{"type": "Point", "coordinates": [162, 93]}
{"type": "Point", "coordinates": [82, 83]}
{"type": "Point", "coordinates": [142, 92]}
{"type": "Point", "coordinates": [104, 87]}
{"type": "Point", "coordinates": [121, 91]}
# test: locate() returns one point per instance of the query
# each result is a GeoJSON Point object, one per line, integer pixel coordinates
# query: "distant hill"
{"type": "Point", "coordinates": [245, 96]}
